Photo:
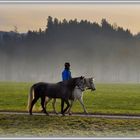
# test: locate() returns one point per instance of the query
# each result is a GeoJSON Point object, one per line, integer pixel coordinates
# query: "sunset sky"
{"type": "Point", "coordinates": [34, 16]}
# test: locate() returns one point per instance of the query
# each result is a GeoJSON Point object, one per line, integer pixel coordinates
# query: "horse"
{"type": "Point", "coordinates": [62, 90]}
{"type": "Point", "coordinates": [77, 94]}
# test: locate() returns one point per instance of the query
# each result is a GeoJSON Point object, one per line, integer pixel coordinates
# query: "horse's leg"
{"type": "Point", "coordinates": [53, 104]}
{"type": "Point", "coordinates": [82, 103]}
{"type": "Point", "coordinates": [68, 105]}
{"type": "Point", "coordinates": [32, 104]}
{"type": "Point", "coordinates": [47, 100]}
{"type": "Point", "coordinates": [42, 104]}
{"type": "Point", "coordinates": [62, 105]}
{"type": "Point", "coordinates": [71, 104]}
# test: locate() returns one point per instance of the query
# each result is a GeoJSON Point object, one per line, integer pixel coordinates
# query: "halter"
{"type": "Point", "coordinates": [89, 86]}
{"type": "Point", "coordinates": [78, 87]}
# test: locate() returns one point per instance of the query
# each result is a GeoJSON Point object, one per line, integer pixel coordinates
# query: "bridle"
{"type": "Point", "coordinates": [78, 87]}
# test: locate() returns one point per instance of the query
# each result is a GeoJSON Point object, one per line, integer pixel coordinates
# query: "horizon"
{"type": "Point", "coordinates": [34, 16]}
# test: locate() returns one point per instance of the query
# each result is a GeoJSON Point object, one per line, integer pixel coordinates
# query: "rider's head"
{"type": "Point", "coordinates": [67, 65]}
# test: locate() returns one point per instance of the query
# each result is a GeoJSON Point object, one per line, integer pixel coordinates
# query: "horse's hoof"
{"type": "Point", "coordinates": [63, 115]}
{"type": "Point", "coordinates": [47, 114]}
{"type": "Point", "coordinates": [31, 114]}
{"type": "Point", "coordinates": [86, 113]}
{"type": "Point", "coordinates": [55, 112]}
{"type": "Point", "coordinates": [70, 113]}
{"type": "Point", "coordinates": [42, 110]}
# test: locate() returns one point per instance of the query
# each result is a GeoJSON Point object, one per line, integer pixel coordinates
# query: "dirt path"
{"type": "Point", "coordinates": [82, 115]}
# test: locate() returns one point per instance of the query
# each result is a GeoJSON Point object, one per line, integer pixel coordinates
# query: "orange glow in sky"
{"type": "Point", "coordinates": [34, 16]}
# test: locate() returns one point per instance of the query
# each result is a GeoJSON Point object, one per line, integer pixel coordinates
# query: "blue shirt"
{"type": "Point", "coordinates": [66, 75]}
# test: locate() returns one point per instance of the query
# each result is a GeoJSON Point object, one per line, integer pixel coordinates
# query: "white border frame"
{"type": "Point", "coordinates": [70, 2]}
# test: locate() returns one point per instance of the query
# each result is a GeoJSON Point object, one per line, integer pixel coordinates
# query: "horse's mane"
{"type": "Point", "coordinates": [68, 81]}
{"type": "Point", "coordinates": [65, 82]}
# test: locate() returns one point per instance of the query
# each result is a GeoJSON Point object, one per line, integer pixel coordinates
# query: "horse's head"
{"type": "Point", "coordinates": [89, 83]}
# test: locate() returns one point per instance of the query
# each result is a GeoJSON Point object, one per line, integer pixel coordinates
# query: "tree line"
{"type": "Point", "coordinates": [108, 51]}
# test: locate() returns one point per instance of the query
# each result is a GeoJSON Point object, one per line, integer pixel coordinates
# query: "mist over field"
{"type": "Point", "coordinates": [107, 52]}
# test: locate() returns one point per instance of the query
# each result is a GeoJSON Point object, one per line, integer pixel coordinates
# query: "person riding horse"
{"type": "Point", "coordinates": [62, 90]}
{"type": "Point", "coordinates": [66, 75]}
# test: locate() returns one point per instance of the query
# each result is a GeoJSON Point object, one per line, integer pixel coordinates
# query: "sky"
{"type": "Point", "coordinates": [34, 16]}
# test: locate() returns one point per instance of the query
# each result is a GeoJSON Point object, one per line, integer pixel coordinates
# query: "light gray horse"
{"type": "Point", "coordinates": [77, 94]}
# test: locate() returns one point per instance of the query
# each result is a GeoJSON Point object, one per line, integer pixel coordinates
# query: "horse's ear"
{"type": "Point", "coordinates": [82, 77]}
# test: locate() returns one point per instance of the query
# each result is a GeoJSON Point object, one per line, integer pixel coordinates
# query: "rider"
{"type": "Point", "coordinates": [66, 74]}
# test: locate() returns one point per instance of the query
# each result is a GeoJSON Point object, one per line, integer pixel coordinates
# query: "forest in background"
{"type": "Point", "coordinates": [107, 52]}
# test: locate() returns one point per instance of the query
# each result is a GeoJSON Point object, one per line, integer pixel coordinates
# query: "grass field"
{"type": "Point", "coordinates": [68, 126]}
{"type": "Point", "coordinates": [107, 99]}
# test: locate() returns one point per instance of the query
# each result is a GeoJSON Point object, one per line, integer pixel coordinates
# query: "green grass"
{"type": "Point", "coordinates": [108, 98]}
{"type": "Point", "coordinates": [68, 126]}
{"type": "Point", "coordinates": [114, 99]}
{"type": "Point", "coordinates": [14, 96]}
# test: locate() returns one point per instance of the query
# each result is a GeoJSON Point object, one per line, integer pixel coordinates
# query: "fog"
{"type": "Point", "coordinates": [44, 66]}
{"type": "Point", "coordinates": [47, 66]}
{"type": "Point", "coordinates": [107, 54]}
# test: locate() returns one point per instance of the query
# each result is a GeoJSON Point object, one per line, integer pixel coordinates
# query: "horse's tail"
{"type": "Point", "coordinates": [30, 97]}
